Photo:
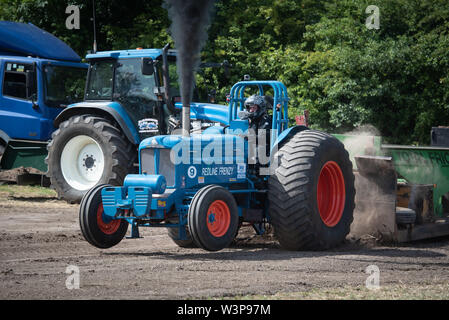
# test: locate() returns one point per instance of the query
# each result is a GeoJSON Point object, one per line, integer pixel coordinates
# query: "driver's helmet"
{"type": "Point", "coordinates": [251, 102]}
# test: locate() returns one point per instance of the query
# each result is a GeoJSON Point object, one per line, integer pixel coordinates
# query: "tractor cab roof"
{"type": "Point", "coordinates": [136, 53]}
{"type": "Point", "coordinates": [22, 39]}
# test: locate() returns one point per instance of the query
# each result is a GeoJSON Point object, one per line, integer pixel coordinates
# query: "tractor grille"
{"type": "Point", "coordinates": [147, 161]}
{"type": "Point", "coordinates": [166, 166]}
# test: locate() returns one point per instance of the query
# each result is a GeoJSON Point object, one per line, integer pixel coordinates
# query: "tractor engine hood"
{"type": "Point", "coordinates": [199, 159]}
{"type": "Point", "coordinates": [197, 149]}
{"type": "Point", "coordinates": [208, 111]}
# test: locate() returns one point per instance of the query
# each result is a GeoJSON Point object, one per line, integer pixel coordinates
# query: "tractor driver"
{"type": "Point", "coordinates": [256, 112]}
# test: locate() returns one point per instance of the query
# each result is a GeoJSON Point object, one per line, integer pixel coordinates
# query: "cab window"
{"type": "Point", "coordinates": [15, 81]}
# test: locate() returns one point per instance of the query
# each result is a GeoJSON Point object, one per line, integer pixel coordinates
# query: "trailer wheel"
{"type": "Point", "coordinates": [98, 229]}
{"type": "Point", "coordinates": [85, 151]}
{"type": "Point", "coordinates": [213, 218]}
{"type": "Point", "coordinates": [311, 194]}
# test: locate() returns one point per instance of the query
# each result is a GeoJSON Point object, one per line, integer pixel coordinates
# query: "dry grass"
{"type": "Point", "coordinates": [11, 191]}
{"type": "Point", "coordinates": [389, 292]}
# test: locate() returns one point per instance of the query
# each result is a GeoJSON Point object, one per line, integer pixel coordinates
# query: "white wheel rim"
{"type": "Point", "coordinates": [82, 162]}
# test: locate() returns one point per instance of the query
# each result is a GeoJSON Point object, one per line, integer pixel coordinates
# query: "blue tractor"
{"type": "Point", "coordinates": [130, 95]}
{"type": "Point", "coordinates": [203, 187]}
{"type": "Point", "coordinates": [127, 99]}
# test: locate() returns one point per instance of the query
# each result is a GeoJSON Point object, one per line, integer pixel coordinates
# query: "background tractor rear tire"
{"type": "Point", "coordinates": [85, 151]}
{"type": "Point", "coordinates": [98, 229]}
{"type": "Point", "coordinates": [311, 194]}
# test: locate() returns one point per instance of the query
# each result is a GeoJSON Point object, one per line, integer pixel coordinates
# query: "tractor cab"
{"type": "Point", "coordinates": [133, 81]}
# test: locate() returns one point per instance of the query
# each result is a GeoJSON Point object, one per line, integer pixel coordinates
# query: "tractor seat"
{"type": "Point", "coordinates": [269, 100]}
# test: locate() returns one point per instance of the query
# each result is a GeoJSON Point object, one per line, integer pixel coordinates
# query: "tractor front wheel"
{"type": "Point", "coordinates": [311, 193]}
{"type": "Point", "coordinates": [97, 228]}
{"type": "Point", "coordinates": [213, 218]}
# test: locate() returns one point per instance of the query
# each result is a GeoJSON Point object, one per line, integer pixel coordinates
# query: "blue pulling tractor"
{"type": "Point", "coordinates": [203, 187]}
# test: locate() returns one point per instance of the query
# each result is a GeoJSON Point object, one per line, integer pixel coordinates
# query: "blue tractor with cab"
{"type": "Point", "coordinates": [130, 95]}
{"type": "Point", "coordinates": [203, 187]}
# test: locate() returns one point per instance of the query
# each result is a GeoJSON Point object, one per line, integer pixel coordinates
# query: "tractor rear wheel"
{"type": "Point", "coordinates": [311, 194]}
{"type": "Point", "coordinates": [85, 151]}
{"type": "Point", "coordinates": [97, 228]}
{"type": "Point", "coordinates": [213, 218]}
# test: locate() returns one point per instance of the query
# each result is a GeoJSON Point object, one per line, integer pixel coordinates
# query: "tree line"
{"type": "Point", "coordinates": [394, 77]}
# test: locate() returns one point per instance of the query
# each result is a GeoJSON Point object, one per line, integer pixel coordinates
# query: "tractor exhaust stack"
{"type": "Point", "coordinates": [186, 119]}
{"type": "Point", "coordinates": [190, 21]}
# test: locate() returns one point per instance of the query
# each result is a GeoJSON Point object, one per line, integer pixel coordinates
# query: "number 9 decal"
{"type": "Point", "coordinates": [191, 172]}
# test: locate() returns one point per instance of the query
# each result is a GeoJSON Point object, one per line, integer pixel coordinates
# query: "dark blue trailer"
{"type": "Point", "coordinates": [40, 76]}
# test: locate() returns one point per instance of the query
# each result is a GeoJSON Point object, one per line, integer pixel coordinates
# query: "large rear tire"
{"type": "Point", "coordinates": [86, 151]}
{"type": "Point", "coordinates": [98, 229]}
{"type": "Point", "coordinates": [311, 193]}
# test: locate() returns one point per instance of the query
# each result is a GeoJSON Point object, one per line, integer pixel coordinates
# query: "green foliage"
{"type": "Point", "coordinates": [394, 78]}
{"type": "Point", "coordinates": [120, 24]}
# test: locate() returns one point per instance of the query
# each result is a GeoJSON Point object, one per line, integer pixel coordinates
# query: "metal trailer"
{"type": "Point", "coordinates": [39, 76]}
{"type": "Point", "coordinates": [401, 190]}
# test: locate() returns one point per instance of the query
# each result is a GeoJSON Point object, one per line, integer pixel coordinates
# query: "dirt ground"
{"type": "Point", "coordinates": [40, 239]}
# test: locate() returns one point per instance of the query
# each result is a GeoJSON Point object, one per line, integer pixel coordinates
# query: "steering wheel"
{"type": "Point", "coordinates": [139, 94]}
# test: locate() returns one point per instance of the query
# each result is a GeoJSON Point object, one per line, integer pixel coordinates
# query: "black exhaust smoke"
{"type": "Point", "coordinates": [190, 21]}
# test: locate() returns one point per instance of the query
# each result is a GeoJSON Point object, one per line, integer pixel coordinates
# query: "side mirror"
{"type": "Point", "coordinates": [33, 99]}
{"type": "Point", "coordinates": [147, 66]}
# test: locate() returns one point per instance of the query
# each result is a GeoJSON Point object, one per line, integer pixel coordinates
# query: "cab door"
{"type": "Point", "coordinates": [20, 115]}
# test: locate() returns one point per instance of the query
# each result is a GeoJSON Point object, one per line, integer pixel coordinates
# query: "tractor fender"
{"type": "Point", "coordinates": [285, 135]}
{"type": "Point", "coordinates": [111, 110]}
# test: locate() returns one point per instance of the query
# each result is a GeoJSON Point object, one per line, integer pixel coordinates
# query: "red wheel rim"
{"type": "Point", "coordinates": [218, 218]}
{"type": "Point", "coordinates": [106, 224]}
{"type": "Point", "coordinates": [331, 194]}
